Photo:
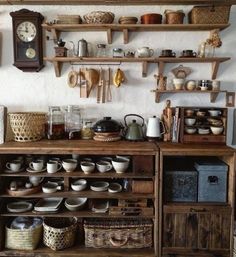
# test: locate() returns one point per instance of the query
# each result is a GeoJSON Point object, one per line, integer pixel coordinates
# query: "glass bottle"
{"type": "Point", "coordinates": [55, 124]}
{"type": "Point", "coordinates": [87, 132]}
{"type": "Point", "coordinates": [73, 123]}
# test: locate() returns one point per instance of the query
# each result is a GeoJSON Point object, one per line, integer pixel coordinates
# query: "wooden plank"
{"type": "Point", "coordinates": [126, 35]}
{"type": "Point", "coordinates": [134, 27]}
{"type": "Point", "coordinates": [168, 230]}
{"type": "Point", "coordinates": [191, 230]}
{"type": "Point", "coordinates": [204, 227]}
{"type": "Point", "coordinates": [180, 230]}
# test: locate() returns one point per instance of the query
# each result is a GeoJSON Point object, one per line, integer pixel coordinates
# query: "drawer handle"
{"type": "Point", "coordinates": [197, 210]}
{"type": "Point", "coordinates": [118, 243]}
{"type": "Point", "coordinates": [213, 180]}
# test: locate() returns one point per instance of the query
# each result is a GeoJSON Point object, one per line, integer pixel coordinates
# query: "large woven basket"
{"type": "Point", "coordinates": [209, 15]}
{"type": "Point", "coordinates": [59, 233]}
{"type": "Point", "coordinates": [23, 239]}
{"type": "Point", "coordinates": [174, 17]}
{"type": "Point", "coordinates": [129, 233]}
{"type": "Point", "coordinates": [27, 126]}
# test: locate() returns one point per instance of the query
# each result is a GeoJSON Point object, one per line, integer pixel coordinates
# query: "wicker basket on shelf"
{"type": "Point", "coordinates": [174, 17]}
{"type": "Point", "coordinates": [60, 233]}
{"type": "Point", "coordinates": [28, 126]}
{"type": "Point", "coordinates": [23, 239]}
{"type": "Point", "coordinates": [120, 233]}
{"type": "Point", "coordinates": [209, 15]}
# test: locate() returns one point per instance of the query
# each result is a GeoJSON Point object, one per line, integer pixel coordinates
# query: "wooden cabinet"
{"type": "Point", "coordinates": [143, 166]}
{"type": "Point", "coordinates": [196, 229]}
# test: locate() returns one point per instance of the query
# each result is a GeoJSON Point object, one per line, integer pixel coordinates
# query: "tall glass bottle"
{"type": "Point", "coordinates": [56, 124]}
{"type": "Point", "coordinates": [73, 122]}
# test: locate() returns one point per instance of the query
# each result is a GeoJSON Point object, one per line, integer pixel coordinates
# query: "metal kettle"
{"type": "Point", "coordinates": [82, 49]}
{"type": "Point", "coordinates": [134, 131]}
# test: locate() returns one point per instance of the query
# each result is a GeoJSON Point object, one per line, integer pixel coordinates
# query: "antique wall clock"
{"type": "Point", "coordinates": [27, 40]}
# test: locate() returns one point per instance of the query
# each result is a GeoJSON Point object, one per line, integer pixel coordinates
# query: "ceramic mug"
{"type": "Point", "coordinates": [14, 165]}
{"type": "Point", "coordinates": [35, 180]}
{"type": "Point", "coordinates": [53, 166]}
{"type": "Point", "coordinates": [120, 165]}
{"type": "Point", "coordinates": [87, 166]}
{"type": "Point", "coordinates": [36, 165]}
{"type": "Point", "coordinates": [103, 166]}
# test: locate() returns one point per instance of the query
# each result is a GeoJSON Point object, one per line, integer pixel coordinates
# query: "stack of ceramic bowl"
{"type": "Point", "coordinates": [69, 19]}
{"type": "Point", "coordinates": [128, 20]}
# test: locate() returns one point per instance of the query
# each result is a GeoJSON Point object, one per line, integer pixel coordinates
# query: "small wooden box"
{"type": "Point", "coordinates": [142, 187]}
{"type": "Point", "coordinates": [203, 121]}
{"type": "Point", "coordinates": [60, 51]}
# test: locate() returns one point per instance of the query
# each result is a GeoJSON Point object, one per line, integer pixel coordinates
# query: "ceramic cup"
{"type": "Point", "coordinates": [215, 85]}
{"type": "Point", "coordinates": [103, 166]}
{"type": "Point", "coordinates": [214, 113]}
{"type": "Point", "coordinates": [87, 166]}
{"type": "Point", "coordinates": [14, 165]}
{"type": "Point", "coordinates": [120, 165]}
{"type": "Point", "coordinates": [189, 53]}
{"type": "Point", "coordinates": [53, 166]}
{"type": "Point", "coordinates": [36, 165]}
{"type": "Point", "coordinates": [168, 53]}
{"type": "Point", "coordinates": [69, 164]}
{"type": "Point", "coordinates": [35, 180]}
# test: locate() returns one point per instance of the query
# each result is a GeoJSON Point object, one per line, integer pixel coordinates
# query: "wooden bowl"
{"type": "Point", "coordinates": [151, 18]}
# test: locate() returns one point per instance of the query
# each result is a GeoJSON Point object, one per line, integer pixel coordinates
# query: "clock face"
{"type": "Point", "coordinates": [26, 31]}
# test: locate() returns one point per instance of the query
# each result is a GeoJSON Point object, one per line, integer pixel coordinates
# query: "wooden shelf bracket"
{"type": "Point", "coordinates": [55, 34]}
{"type": "Point", "coordinates": [126, 36]}
{"type": "Point", "coordinates": [57, 68]}
{"type": "Point", "coordinates": [213, 96]}
{"type": "Point", "coordinates": [215, 67]}
{"type": "Point", "coordinates": [109, 36]}
{"type": "Point", "coordinates": [144, 69]}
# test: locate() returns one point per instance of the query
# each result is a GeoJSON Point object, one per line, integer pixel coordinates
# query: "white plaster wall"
{"type": "Point", "coordinates": [21, 91]}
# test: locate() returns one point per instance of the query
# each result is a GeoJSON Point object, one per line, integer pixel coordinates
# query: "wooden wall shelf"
{"type": "Point", "coordinates": [56, 29]}
{"type": "Point", "coordinates": [115, 2]}
{"type": "Point", "coordinates": [58, 62]}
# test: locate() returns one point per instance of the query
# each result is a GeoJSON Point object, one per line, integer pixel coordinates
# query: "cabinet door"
{"type": "Point", "coordinates": [202, 228]}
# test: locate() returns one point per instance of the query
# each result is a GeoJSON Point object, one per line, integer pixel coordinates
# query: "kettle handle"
{"type": "Point", "coordinates": [133, 115]}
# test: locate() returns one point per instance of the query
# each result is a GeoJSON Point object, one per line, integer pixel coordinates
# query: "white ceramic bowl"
{"type": "Point", "coordinates": [203, 131]}
{"type": "Point", "coordinates": [75, 204]}
{"type": "Point", "coordinates": [189, 121]}
{"type": "Point", "coordinates": [99, 186]}
{"type": "Point", "coordinates": [178, 83]}
{"type": "Point", "coordinates": [120, 165]}
{"type": "Point", "coordinates": [69, 165]}
{"type": "Point", "coordinates": [214, 113]}
{"type": "Point", "coordinates": [217, 130]}
{"type": "Point", "coordinates": [190, 130]}
{"type": "Point", "coordinates": [79, 185]}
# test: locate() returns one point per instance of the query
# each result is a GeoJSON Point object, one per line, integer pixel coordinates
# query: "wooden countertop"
{"type": "Point", "coordinates": [81, 146]}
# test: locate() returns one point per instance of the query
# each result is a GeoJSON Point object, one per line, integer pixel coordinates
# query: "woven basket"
{"type": "Point", "coordinates": [209, 15]}
{"type": "Point", "coordinates": [174, 17]}
{"type": "Point", "coordinates": [26, 239]}
{"type": "Point", "coordinates": [59, 233]}
{"type": "Point", "coordinates": [27, 126]}
{"type": "Point", "coordinates": [129, 233]}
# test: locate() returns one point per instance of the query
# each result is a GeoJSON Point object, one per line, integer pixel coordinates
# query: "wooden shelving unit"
{"type": "Point", "coordinates": [58, 62]}
{"type": "Point", "coordinates": [143, 166]}
{"type": "Point", "coordinates": [56, 29]}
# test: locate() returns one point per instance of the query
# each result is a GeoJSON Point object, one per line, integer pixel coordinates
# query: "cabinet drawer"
{"type": "Point", "coordinates": [197, 227]}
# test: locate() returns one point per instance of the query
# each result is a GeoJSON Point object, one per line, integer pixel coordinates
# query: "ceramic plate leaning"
{"type": "Point", "coordinates": [17, 207]}
{"type": "Point", "coordinates": [99, 186]}
{"type": "Point", "coordinates": [35, 171]}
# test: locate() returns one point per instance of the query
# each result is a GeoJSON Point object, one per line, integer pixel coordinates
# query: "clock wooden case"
{"type": "Point", "coordinates": [27, 40]}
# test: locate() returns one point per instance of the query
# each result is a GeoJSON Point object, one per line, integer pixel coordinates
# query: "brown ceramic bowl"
{"type": "Point", "coordinates": [151, 18]}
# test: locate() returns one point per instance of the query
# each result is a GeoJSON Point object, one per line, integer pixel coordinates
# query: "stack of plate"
{"type": "Point", "coordinates": [128, 20]}
{"type": "Point", "coordinates": [51, 205]}
{"type": "Point", "coordinates": [69, 19]}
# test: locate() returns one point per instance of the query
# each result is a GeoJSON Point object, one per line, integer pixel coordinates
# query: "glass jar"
{"type": "Point", "coordinates": [101, 50]}
{"type": "Point", "coordinates": [118, 52]}
{"type": "Point", "coordinates": [73, 123]}
{"type": "Point", "coordinates": [87, 132]}
{"type": "Point", "coordinates": [55, 124]}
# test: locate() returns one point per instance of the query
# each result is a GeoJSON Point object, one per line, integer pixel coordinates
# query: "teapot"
{"type": "Point", "coordinates": [145, 52]}
{"type": "Point", "coordinates": [134, 131]}
{"type": "Point", "coordinates": [82, 49]}
{"type": "Point", "coordinates": [154, 130]}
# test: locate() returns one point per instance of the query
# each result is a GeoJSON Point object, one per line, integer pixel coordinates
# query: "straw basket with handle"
{"type": "Point", "coordinates": [27, 126]}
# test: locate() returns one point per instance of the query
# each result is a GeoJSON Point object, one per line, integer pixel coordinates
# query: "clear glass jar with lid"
{"type": "Point", "coordinates": [101, 50]}
{"type": "Point", "coordinates": [55, 124]}
{"type": "Point", "coordinates": [73, 122]}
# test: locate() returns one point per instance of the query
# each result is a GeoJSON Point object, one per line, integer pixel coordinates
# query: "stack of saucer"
{"type": "Point", "coordinates": [128, 20]}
